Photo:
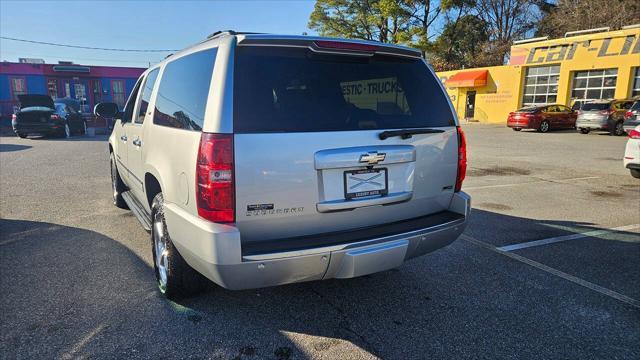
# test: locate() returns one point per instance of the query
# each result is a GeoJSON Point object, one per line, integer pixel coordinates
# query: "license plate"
{"type": "Point", "coordinates": [363, 183]}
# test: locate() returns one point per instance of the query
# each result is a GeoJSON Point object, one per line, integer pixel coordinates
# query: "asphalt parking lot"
{"type": "Point", "coordinates": [76, 275]}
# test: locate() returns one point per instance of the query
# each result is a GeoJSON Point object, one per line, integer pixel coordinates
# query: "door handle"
{"type": "Point", "coordinates": [123, 138]}
{"type": "Point", "coordinates": [137, 142]}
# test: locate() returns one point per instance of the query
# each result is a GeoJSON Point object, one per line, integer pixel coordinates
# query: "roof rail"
{"type": "Point", "coordinates": [524, 41]}
{"type": "Point", "coordinates": [229, 32]}
{"type": "Point", "coordinates": [633, 26]}
{"type": "Point", "coordinates": [221, 32]}
{"type": "Point", "coordinates": [588, 31]}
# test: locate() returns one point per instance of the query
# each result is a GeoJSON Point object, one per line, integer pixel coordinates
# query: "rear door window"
{"type": "Point", "coordinates": [295, 90]}
{"type": "Point", "coordinates": [183, 92]}
{"type": "Point", "coordinates": [145, 96]}
{"type": "Point", "coordinates": [595, 106]}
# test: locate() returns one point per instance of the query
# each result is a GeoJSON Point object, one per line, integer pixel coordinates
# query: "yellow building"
{"type": "Point", "coordinates": [584, 65]}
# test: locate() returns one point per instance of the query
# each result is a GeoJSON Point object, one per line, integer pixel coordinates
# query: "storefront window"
{"type": "Point", "coordinates": [96, 88]}
{"type": "Point", "coordinates": [52, 88]}
{"type": "Point", "coordinates": [594, 84]}
{"type": "Point", "coordinates": [18, 86]}
{"type": "Point", "coordinates": [117, 90]}
{"type": "Point", "coordinates": [635, 88]}
{"type": "Point", "coordinates": [541, 85]}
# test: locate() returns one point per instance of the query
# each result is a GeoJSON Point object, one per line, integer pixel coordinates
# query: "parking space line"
{"type": "Point", "coordinates": [566, 238]}
{"type": "Point", "coordinates": [529, 182]}
{"type": "Point", "coordinates": [576, 280]}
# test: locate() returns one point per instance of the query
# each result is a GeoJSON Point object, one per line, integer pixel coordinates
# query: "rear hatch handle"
{"type": "Point", "coordinates": [407, 133]}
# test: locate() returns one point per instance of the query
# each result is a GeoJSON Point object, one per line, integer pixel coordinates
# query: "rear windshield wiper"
{"type": "Point", "coordinates": [407, 133]}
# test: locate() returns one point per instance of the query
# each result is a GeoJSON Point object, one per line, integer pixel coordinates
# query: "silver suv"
{"type": "Point", "coordinates": [258, 160]}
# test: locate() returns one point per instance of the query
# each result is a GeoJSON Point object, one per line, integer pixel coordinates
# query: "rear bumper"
{"type": "Point", "coordinates": [36, 128]}
{"type": "Point", "coordinates": [518, 124]}
{"type": "Point", "coordinates": [215, 251]}
{"type": "Point", "coordinates": [592, 124]}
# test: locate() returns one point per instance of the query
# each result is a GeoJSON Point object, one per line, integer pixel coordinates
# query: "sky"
{"type": "Point", "coordinates": [135, 25]}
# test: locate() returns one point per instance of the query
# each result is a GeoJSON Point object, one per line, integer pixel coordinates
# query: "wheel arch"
{"type": "Point", "coordinates": [152, 187]}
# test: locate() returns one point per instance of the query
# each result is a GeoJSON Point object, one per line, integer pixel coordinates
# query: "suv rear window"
{"type": "Point", "coordinates": [296, 90]}
{"type": "Point", "coordinates": [595, 106]}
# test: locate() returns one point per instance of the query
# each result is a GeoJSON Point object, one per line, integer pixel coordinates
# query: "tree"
{"type": "Point", "coordinates": [461, 44]}
{"type": "Point", "coordinates": [507, 20]}
{"type": "Point", "coordinates": [406, 22]}
{"type": "Point", "coordinates": [571, 15]}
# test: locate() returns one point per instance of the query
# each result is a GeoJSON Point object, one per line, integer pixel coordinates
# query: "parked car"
{"type": "Point", "coordinates": [632, 117]}
{"type": "Point", "coordinates": [603, 115]}
{"type": "Point", "coordinates": [632, 152]}
{"type": "Point", "coordinates": [38, 114]}
{"type": "Point", "coordinates": [542, 118]}
{"type": "Point", "coordinates": [298, 158]}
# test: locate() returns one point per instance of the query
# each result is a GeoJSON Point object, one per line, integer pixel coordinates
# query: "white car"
{"type": "Point", "coordinates": [258, 160]}
{"type": "Point", "coordinates": [632, 153]}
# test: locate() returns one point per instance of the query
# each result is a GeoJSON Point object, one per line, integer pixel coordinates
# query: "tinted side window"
{"type": "Point", "coordinates": [296, 90]}
{"type": "Point", "coordinates": [146, 95]}
{"type": "Point", "coordinates": [128, 108]}
{"type": "Point", "coordinates": [184, 88]}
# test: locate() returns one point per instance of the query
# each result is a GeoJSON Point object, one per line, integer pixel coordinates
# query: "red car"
{"type": "Point", "coordinates": [542, 118]}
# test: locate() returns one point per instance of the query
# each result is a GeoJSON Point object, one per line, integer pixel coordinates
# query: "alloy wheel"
{"type": "Point", "coordinates": [114, 181]}
{"type": "Point", "coordinates": [161, 257]}
{"type": "Point", "coordinates": [544, 126]}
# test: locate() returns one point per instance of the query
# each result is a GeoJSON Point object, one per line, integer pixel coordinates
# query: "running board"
{"type": "Point", "coordinates": [138, 210]}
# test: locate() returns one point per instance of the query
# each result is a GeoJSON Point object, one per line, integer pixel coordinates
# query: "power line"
{"type": "Point", "coordinates": [20, 54]}
{"type": "Point", "coordinates": [84, 47]}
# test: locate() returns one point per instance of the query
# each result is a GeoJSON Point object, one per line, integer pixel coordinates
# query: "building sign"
{"type": "Point", "coordinates": [611, 46]}
{"type": "Point", "coordinates": [383, 95]}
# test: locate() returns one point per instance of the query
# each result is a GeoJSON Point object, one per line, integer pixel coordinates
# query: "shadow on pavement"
{"type": "Point", "coordinates": [12, 147]}
{"type": "Point", "coordinates": [73, 138]}
{"type": "Point", "coordinates": [69, 292]}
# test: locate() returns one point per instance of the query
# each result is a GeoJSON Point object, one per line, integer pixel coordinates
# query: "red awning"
{"type": "Point", "coordinates": [472, 78]}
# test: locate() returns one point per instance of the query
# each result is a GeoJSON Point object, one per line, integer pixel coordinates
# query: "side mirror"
{"type": "Point", "coordinates": [106, 109]}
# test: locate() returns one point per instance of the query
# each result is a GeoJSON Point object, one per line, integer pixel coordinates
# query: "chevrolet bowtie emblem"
{"type": "Point", "coordinates": [372, 158]}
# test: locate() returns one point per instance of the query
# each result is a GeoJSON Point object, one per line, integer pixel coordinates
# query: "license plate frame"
{"type": "Point", "coordinates": [367, 191]}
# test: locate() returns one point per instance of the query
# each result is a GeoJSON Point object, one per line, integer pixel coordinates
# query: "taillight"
{"type": "Point", "coordinates": [634, 134]}
{"type": "Point", "coordinates": [628, 114]}
{"type": "Point", "coordinates": [215, 189]}
{"type": "Point", "coordinates": [462, 159]}
{"type": "Point", "coordinates": [345, 45]}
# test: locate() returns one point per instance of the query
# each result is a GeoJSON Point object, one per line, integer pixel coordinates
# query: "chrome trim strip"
{"type": "Point", "coordinates": [336, 205]}
{"type": "Point", "coordinates": [130, 172]}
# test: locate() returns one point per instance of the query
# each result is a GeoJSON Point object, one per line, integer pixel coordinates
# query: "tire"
{"type": "Point", "coordinates": [618, 129]}
{"type": "Point", "coordinates": [584, 131]}
{"type": "Point", "coordinates": [174, 277]}
{"type": "Point", "coordinates": [635, 173]}
{"type": "Point", "coordinates": [21, 135]}
{"type": "Point", "coordinates": [544, 126]}
{"type": "Point", "coordinates": [517, 129]}
{"type": "Point", "coordinates": [117, 186]}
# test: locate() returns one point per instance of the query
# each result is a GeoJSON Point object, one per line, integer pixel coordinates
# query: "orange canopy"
{"type": "Point", "coordinates": [472, 78]}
